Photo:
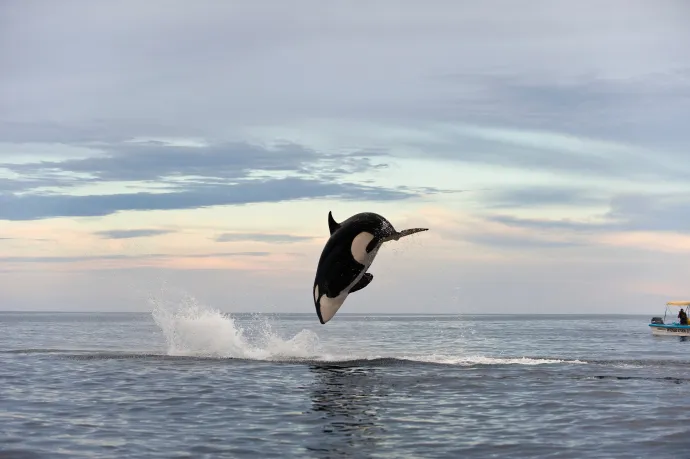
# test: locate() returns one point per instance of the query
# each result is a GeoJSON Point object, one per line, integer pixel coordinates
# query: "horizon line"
{"type": "Point", "coordinates": [342, 313]}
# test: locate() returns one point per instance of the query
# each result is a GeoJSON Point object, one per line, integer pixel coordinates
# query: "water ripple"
{"type": "Point", "coordinates": [114, 387]}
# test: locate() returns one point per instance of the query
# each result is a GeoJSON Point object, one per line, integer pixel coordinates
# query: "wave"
{"type": "Point", "coordinates": [341, 361]}
{"type": "Point", "coordinates": [193, 330]}
{"type": "Point", "coordinates": [481, 360]}
{"type": "Point", "coordinates": [273, 357]}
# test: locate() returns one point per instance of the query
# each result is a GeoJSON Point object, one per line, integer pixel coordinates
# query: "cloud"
{"type": "Point", "coordinates": [551, 94]}
{"type": "Point", "coordinates": [262, 237]}
{"type": "Point", "coordinates": [158, 161]}
{"type": "Point", "coordinates": [519, 242]}
{"type": "Point", "coordinates": [586, 104]}
{"type": "Point", "coordinates": [19, 184]}
{"type": "Point", "coordinates": [39, 239]}
{"type": "Point", "coordinates": [129, 234]}
{"type": "Point", "coordinates": [82, 258]}
{"type": "Point", "coordinates": [299, 64]}
{"type": "Point", "coordinates": [553, 152]}
{"type": "Point", "coordinates": [545, 196]}
{"type": "Point", "coordinates": [186, 177]}
{"type": "Point", "coordinates": [621, 212]}
{"type": "Point", "coordinates": [644, 212]}
{"type": "Point", "coordinates": [34, 207]}
{"type": "Point", "coordinates": [552, 224]}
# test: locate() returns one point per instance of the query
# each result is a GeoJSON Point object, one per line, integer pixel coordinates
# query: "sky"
{"type": "Point", "coordinates": [199, 146]}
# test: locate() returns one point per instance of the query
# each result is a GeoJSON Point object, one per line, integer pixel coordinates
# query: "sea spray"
{"type": "Point", "coordinates": [193, 329]}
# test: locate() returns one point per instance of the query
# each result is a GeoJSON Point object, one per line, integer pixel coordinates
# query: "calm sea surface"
{"type": "Point", "coordinates": [191, 382]}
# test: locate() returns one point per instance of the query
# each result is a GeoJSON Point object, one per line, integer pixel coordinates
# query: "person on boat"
{"type": "Point", "coordinates": [683, 317]}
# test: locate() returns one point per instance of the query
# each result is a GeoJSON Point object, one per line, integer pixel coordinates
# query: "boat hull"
{"type": "Point", "coordinates": [670, 329]}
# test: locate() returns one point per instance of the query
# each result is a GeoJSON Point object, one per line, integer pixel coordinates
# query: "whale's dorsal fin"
{"type": "Point", "coordinates": [332, 225]}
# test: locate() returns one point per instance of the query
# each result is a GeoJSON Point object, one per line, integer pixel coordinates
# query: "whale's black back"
{"type": "Point", "coordinates": [337, 268]}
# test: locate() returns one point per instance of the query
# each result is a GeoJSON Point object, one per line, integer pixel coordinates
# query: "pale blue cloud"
{"type": "Point", "coordinates": [262, 237]}
{"type": "Point", "coordinates": [553, 224]}
{"type": "Point", "coordinates": [188, 177]}
{"type": "Point", "coordinates": [40, 206]}
{"type": "Point", "coordinates": [539, 197]}
{"type": "Point", "coordinates": [132, 234]}
{"type": "Point", "coordinates": [587, 104]}
{"type": "Point", "coordinates": [83, 258]}
{"type": "Point", "coordinates": [515, 242]}
{"type": "Point", "coordinates": [625, 212]}
{"type": "Point", "coordinates": [551, 152]}
{"type": "Point", "coordinates": [160, 161]}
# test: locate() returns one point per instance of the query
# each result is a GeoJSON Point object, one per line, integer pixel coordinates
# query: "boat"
{"type": "Point", "coordinates": [659, 326]}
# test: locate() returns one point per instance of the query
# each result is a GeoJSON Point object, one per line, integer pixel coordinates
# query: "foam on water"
{"type": "Point", "coordinates": [191, 329]}
{"type": "Point", "coordinates": [194, 330]}
{"type": "Point", "coordinates": [481, 360]}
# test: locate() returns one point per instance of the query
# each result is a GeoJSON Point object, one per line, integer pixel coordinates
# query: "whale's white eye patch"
{"type": "Point", "coordinates": [359, 246]}
{"type": "Point", "coordinates": [316, 293]}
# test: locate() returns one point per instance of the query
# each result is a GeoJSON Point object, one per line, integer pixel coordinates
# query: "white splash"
{"type": "Point", "coordinates": [191, 329]}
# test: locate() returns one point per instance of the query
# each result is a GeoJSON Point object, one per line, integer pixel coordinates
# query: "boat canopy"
{"type": "Point", "coordinates": [678, 303]}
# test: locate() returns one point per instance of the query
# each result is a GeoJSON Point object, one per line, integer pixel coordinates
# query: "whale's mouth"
{"type": "Point", "coordinates": [400, 234]}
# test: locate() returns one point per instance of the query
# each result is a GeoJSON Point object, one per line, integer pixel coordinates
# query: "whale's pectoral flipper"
{"type": "Point", "coordinates": [332, 225]}
{"type": "Point", "coordinates": [363, 282]}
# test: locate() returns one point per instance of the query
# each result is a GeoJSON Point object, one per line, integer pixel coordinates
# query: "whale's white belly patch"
{"type": "Point", "coordinates": [329, 306]}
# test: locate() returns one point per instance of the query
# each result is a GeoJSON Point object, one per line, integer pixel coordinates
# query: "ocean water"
{"type": "Point", "coordinates": [188, 381]}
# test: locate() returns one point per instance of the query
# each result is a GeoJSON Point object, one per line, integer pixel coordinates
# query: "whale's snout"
{"type": "Point", "coordinates": [400, 234]}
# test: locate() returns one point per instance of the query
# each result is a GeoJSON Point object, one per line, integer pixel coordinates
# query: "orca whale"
{"type": "Point", "coordinates": [348, 253]}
